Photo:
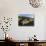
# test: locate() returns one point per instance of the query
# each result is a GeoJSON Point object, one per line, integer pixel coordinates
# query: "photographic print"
{"type": "Point", "coordinates": [26, 20]}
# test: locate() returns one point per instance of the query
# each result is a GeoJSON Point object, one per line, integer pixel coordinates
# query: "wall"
{"type": "Point", "coordinates": [11, 8]}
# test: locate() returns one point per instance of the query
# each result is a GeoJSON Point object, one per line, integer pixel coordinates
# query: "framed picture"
{"type": "Point", "coordinates": [25, 20]}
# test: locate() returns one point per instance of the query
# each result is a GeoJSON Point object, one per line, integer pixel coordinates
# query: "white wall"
{"type": "Point", "coordinates": [12, 8]}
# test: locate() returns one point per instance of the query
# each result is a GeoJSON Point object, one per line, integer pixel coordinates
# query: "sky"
{"type": "Point", "coordinates": [27, 15]}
